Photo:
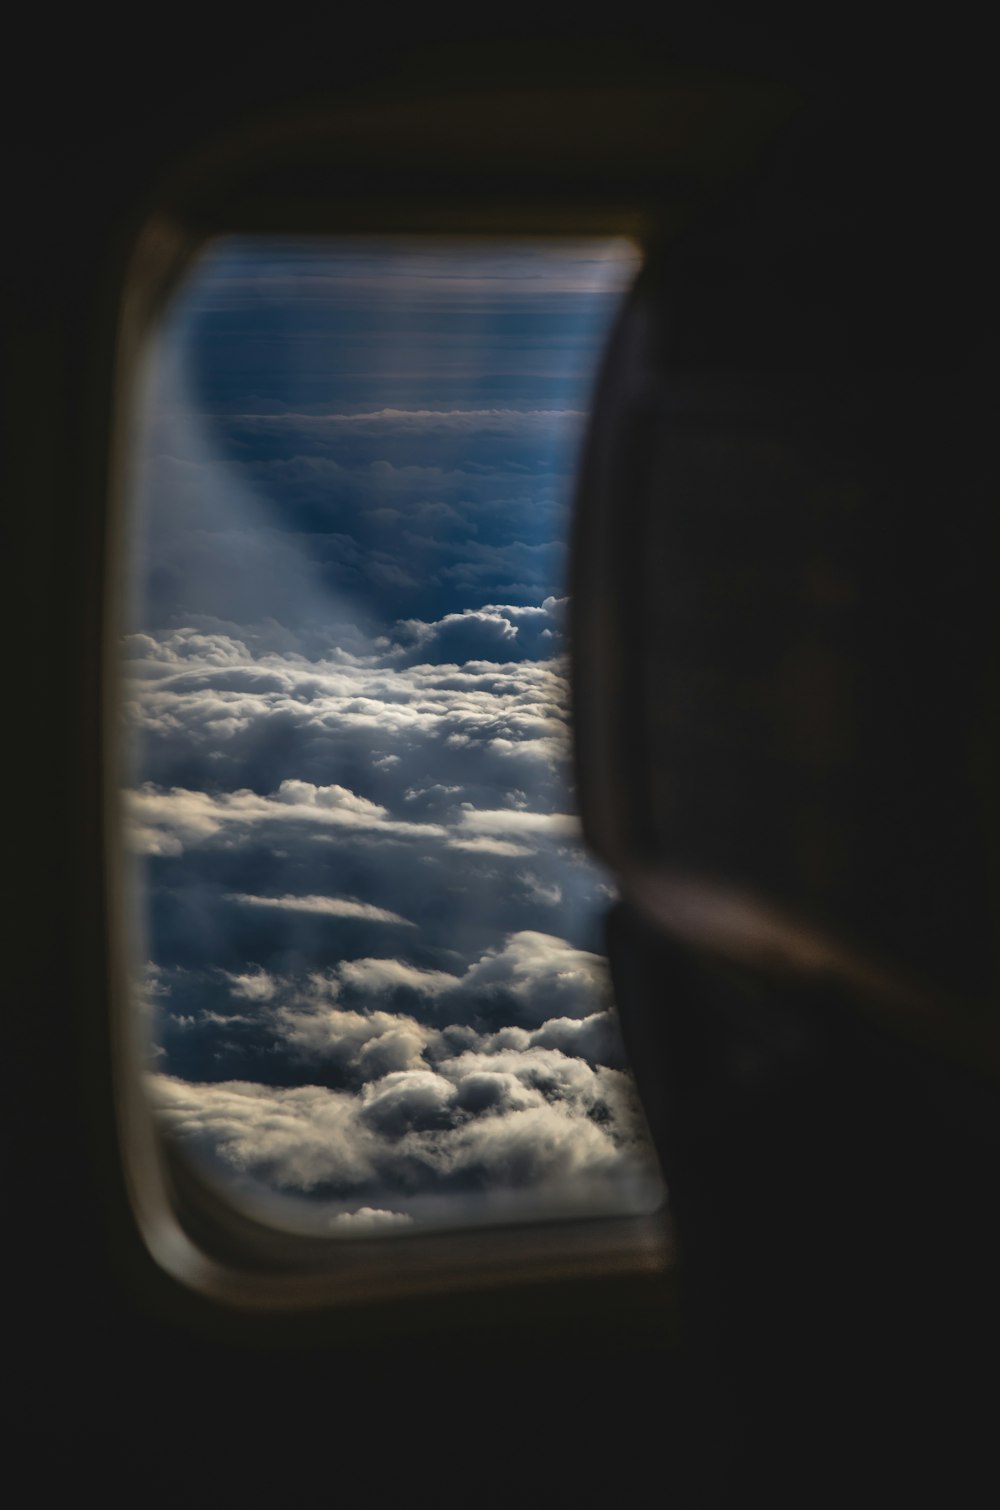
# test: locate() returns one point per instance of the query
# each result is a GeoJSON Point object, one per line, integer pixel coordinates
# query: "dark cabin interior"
{"type": "Point", "coordinates": [814, 197]}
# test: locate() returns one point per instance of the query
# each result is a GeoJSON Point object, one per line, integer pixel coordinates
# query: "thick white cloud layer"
{"type": "Point", "coordinates": [212, 687]}
{"type": "Point", "coordinates": [501, 1071]}
{"type": "Point", "coordinates": [507, 1121]}
{"type": "Point", "coordinates": [429, 737]}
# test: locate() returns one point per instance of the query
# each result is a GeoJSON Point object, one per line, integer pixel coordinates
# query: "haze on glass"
{"type": "Point", "coordinates": [371, 937]}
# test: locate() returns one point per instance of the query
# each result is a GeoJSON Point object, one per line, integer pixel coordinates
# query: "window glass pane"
{"type": "Point", "coordinates": [374, 977]}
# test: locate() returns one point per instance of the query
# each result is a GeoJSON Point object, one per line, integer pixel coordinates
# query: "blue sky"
{"type": "Point", "coordinates": [373, 966]}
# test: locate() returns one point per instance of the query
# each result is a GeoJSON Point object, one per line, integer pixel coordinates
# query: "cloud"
{"type": "Point", "coordinates": [169, 822]}
{"type": "Point", "coordinates": [532, 977]}
{"type": "Point", "coordinates": [369, 1017]}
{"type": "Point", "coordinates": [294, 1138]}
{"type": "Point", "coordinates": [595, 1038]}
{"type": "Point", "coordinates": [368, 1219]}
{"type": "Point", "coordinates": [348, 703]}
{"type": "Point", "coordinates": [252, 985]}
{"type": "Point", "coordinates": [194, 698]}
{"type": "Point", "coordinates": [165, 822]}
{"type": "Point", "coordinates": [546, 894]}
{"type": "Point", "coordinates": [535, 976]}
{"type": "Point", "coordinates": [408, 1100]}
{"type": "Point", "coordinates": [496, 632]}
{"type": "Point", "coordinates": [367, 1045]}
{"type": "Point", "coordinates": [444, 836]}
{"type": "Point", "coordinates": [519, 823]}
{"type": "Point", "coordinates": [337, 907]}
{"type": "Point", "coordinates": [376, 976]}
{"type": "Point", "coordinates": [487, 846]}
{"type": "Point", "coordinates": [535, 1122]}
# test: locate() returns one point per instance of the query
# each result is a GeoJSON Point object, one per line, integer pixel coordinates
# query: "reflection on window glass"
{"type": "Point", "coordinates": [374, 977]}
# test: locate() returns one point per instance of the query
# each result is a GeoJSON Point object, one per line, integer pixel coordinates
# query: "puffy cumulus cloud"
{"type": "Point", "coordinates": [145, 651]}
{"type": "Point", "coordinates": [371, 727]}
{"type": "Point", "coordinates": [497, 632]}
{"type": "Point", "coordinates": [369, 1016]}
{"type": "Point", "coordinates": [533, 978]}
{"type": "Point", "coordinates": [335, 907]}
{"type": "Point", "coordinates": [473, 634]}
{"type": "Point", "coordinates": [595, 1038]}
{"type": "Point", "coordinates": [510, 1121]}
{"type": "Point", "coordinates": [206, 704]}
{"type": "Point", "coordinates": [505, 1079]}
{"type": "Point", "coordinates": [495, 1091]}
{"type": "Point", "coordinates": [345, 806]}
{"type": "Point", "coordinates": [518, 822]}
{"type": "Point", "coordinates": [536, 976]}
{"type": "Point", "coordinates": [293, 1138]}
{"type": "Point", "coordinates": [369, 1219]}
{"type": "Point", "coordinates": [219, 674]}
{"type": "Point", "coordinates": [560, 994]}
{"type": "Point", "coordinates": [367, 1045]}
{"type": "Point", "coordinates": [252, 985]}
{"type": "Point", "coordinates": [166, 822]}
{"type": "Point", "coordinates": [547, 894]}
{"type": "Point", "coordinates": [416, 819]}
{"type": "Point", "coordinates": [406, 1100]}
{"type": "Point", "coordinates": [170, 821]}
{"type": "Point", "coordinates": [540, 1145]}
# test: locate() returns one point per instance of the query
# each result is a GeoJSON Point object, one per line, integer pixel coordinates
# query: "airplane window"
{"type": "Point", "coordinates": [372, 968]}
